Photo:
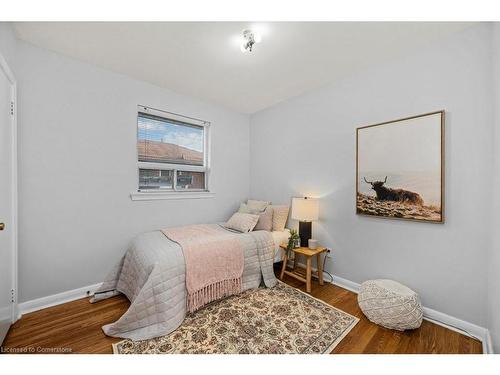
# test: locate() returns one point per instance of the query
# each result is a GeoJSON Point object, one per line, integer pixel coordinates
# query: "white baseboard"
{"type": "Point", "coordinates": [346, 284]}
{"type": "Point", "coordinates": [17, 313]}
{"type": "Point", "coordinates": [488, 344]}
{"type": "Point", "coordinates": [442, 319]}
{"type": "Point", "coordinates": [56, 299]}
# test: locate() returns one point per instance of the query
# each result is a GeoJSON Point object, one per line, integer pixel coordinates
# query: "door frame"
{"type": "Point", "coordinates": [14, 215]}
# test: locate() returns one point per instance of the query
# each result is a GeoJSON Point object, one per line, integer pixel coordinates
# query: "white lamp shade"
{"type": "Point", "coordinates": [305, 209]}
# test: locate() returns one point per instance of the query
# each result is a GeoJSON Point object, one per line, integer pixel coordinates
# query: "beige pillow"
{"type": "Point", "coordinates": [244, 209]}
{"type": "Point", "coordinates": [257, 205]}
{"type": "Point", "coordinates": [280, 216]}
{"type": "Point", "coordinates": [242, 222]}
{"type": "Point", "coordinates": [265, 220]}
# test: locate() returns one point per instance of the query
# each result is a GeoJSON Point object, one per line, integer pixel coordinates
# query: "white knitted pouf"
{"type": "Point", "coordinates": [390, 304]}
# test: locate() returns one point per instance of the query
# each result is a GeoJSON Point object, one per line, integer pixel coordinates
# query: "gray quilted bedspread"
{"type": "Point", "coordinates": [152, 276]}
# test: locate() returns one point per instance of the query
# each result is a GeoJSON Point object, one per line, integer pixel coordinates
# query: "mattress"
{"type": "Point", "coordinates": [279, 237]}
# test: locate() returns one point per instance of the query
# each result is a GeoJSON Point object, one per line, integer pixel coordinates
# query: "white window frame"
{"type": "Point", "coordinates": [174, 193]}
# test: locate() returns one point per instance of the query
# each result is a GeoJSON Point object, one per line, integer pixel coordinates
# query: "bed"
{"type": "Point", "coordinates": [152, 275]}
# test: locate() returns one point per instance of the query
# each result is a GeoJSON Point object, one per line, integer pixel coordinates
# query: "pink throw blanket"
{"type": "Point", "coordinates": [214, 262]}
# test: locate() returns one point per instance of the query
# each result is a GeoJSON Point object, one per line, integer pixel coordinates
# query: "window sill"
{"type": "Point", "coordinates": [152, 195]}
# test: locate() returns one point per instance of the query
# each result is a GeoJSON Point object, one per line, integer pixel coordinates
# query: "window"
{"type": "Point", "coordinates": [155, 179]}
{"type": "Point", "coordinates": [172, 152]}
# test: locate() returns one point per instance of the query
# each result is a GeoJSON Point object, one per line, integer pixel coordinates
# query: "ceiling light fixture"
{"type": "Point", "coordinates": [249, 39]}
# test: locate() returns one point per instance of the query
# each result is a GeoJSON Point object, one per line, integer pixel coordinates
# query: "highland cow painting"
{"type": "Point", "coordinates": [399, 168]}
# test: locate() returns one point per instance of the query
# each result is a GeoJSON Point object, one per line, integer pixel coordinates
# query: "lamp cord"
{"type": "Point", "coordinates": [324, 270]}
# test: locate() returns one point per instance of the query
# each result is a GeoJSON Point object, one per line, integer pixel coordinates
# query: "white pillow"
{"type": "Point", "coordinates": [242, 222]}
{"type": "Point", "coordinates": [265, 220]}
{"type": "Point", "coordinates": [280, 216]}
{"type": "Point", "coordinates": [257, 205]}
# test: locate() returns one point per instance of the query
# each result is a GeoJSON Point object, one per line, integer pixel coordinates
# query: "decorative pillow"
{"type": "Point", "coordinates": [265, 220]}
{"type": "Point", "coordinates": [242, 222]}
{"type": "Point", "coordinates": [244, 209]}
{"type": "Point", "coordinates": [280, 216]}
{"type": "Point", "coordinates": [257, 205]}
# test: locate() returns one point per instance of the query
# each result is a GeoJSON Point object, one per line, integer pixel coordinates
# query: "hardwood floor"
{"type": "Point", "coordinates": [75, 327]}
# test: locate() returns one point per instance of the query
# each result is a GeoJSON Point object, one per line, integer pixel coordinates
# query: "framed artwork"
{"type": "Point", "coordinates": [400, 168]}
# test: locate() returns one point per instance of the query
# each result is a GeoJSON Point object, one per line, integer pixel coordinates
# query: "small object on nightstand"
{"type": "Point", "coordinates": [293, 239]}
{"type": "Point", "coordinates": [309, 254]}
{"type": "Point", "coordinates": [313, 244]}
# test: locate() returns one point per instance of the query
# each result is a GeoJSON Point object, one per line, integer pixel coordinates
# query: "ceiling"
{"type": "Point", "coordinates": [203, 59]}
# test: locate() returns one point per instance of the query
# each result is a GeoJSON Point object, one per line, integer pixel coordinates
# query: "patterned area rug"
{"type": "Point", "coordinates": [260, 321]}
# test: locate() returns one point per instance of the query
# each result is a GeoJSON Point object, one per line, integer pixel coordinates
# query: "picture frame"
{"type": "Point", "coordinates": [400, 168]}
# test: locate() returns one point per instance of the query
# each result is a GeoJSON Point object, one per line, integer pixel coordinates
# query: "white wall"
{"type": "Point", "coordinates": [306, 146]}
{"type": "Point", "coordinates": [7, 43]}
{"type": "Point", "coordinates": [494, 257]}
{"type": "Point", "coordinates": [77, 167]}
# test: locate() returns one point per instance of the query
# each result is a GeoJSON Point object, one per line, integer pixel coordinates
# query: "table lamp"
{"type": "Point", "coordinates": [305, 210]}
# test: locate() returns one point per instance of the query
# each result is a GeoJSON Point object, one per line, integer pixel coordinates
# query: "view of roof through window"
{"type": "Point", "coordinates": [168, 141]}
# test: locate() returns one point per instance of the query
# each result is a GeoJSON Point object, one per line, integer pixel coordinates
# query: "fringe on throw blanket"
{"type": "Point", "coordinates": [214, 262]}
{"type": "Point", "coordinates": [212, 293]}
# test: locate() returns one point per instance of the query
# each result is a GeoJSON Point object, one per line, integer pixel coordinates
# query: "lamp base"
{"type": "Point", "coordinates": [305, 229]}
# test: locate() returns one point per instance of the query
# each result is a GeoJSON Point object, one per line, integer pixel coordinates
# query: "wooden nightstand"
{"type": "Point", "coordinates": [309, 254]}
